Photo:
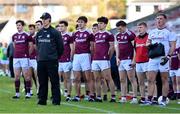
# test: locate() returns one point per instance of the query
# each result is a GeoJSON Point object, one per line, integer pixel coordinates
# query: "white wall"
{"type": "Point", "coordinates": [147, 8]}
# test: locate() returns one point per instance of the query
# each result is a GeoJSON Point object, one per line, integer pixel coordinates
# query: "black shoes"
{"type": "Point", "coordinates": [42, 103]}
{"type": "Point", "coordinates": [15, 97]}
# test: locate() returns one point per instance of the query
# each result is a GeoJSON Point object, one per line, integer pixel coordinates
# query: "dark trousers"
{"type": "Point", "coordinates": [48, 70]}
{"type": "Point", "coordinates": [159, 84]}
{"type": "Point", "coordinates": [11, 67]}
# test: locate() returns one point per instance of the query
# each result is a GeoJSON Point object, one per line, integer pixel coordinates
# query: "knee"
{"type": "Point", "coordinates": [151, 81]}
{"type": "Point", "coordinates": [122, 80]}
{"type": "Point", "coordinates": [77, 80]}
{"type": "Point", "coordinates": [141, 83]}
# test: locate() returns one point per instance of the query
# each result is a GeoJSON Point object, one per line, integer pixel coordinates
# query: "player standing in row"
{"type": "Point", "coordinates": [124, 53]}
{"type": "Point", "coordinates": [95, 29]}
{"type": "Point", "coordinates": [175, 70]}
{"type": "Point", "coordinates": [32, 57]}
{"type": "Point", "coordinates": [65, 61]}
{"type": "Point", "coordinates": [141, 58]}
{"type": "Point", "coordinates": [82, 58]}
{"type": "Point", "coordinates": [22, 47]}
{"type": "Point", "coordinates": [103, 51]}
{"type": "Point", "coordinates": [160, 35]}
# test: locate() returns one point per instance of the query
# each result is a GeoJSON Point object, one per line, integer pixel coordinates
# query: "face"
{"type": "Point", "coordinates": [160, 21]}
{"type": "Point", "coordinates": [57, 28]}
{"type": "Point", "coordinates": [38, 26]}
{"type": "Point", "coordinates": [19, 27]}
{"type": "Point", "coordinates": [95, 29]}
{"type": "Point", "coordinates": [101, 25]}
{"type": "Point", "coordinates": [62, 28]}
{"type": "Point", "coordinates": [5, 45]}
{"type": "Point", "coordinates": [142, 29]}
{"type": "Point", "coordinates": [46, 22]}
{"type": "Point", "coordinates": [31, 30]}
{"type": "Point", "coordinates": [121, 29]}
{"type": "Point", "coordinates": [81, 24]}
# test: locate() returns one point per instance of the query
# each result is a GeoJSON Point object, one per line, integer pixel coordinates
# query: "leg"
{"type": "Point", "coordinates": [132, 78]}
{"type": "Point", "coordinates": [104, 86]}
{"type": "Point", "coordinates": [52, 68]}
{"type": "Point", "coordinates": [43, 82]}
{"type": "Point", "coordinates": [67, 77]}
{"type": "Point", "coordinates": [122, 76]}
{"type": "Point", "coordinates": [90, 82]}
{"type": "Point", "coordinates": [151, 84]}
{"type": "Point", "coordinates": [178, 88]}
{"type": "Point", "coordinates": [141, 79]}
{"type": "Point", "coordinates": [77, 81]}
{"type": "Point", "coordinates": [107, 75]}
{"type": "Point", "coordinates": [165, 84]}
{"type": "Point", "coordinates": [97, 76]}
{"type": "Point", "coordinates": [17, 72]}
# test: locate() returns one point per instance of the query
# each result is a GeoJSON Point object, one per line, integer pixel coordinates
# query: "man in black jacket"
{"type": "Point", "coordinates": [10, 51]}
{"type": "Point", "coordinates": [49, 49]}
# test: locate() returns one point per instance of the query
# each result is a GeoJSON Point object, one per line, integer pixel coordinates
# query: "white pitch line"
{"type": "Point", "coordinates": [90, 108]}
{"type": "Point", "coordinates": [168, 108]}
{"type": "Point", "coordinates": [100, 110]}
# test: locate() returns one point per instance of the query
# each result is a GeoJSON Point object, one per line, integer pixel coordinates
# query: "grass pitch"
{"type": "Point", "coordinates": [9, 105]}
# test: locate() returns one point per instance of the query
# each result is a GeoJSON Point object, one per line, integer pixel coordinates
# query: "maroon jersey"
{"type": "Point", "coordinates": [33, 54]}
{"type": "Point", "coordinates": [174, 60]}
{"type": "Point", "coordinates": [67, 40]}
{"type": "Point", "coordinates": [102, 40]}
{"type": "Point", "coordinates": [82, 41]}
{"type": "Point", "coordinates": [21, 45]}
{"type": "Point", "coordinates": [125, 46]}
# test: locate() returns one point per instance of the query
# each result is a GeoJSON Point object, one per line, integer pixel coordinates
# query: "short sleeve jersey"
{"type": "Point", "coordinates": [82, 41]}
{"type": "Point", "coordinates": [163, 36]}
{"type": "Point", "coordinates": [124, 44]}
{"type": "Point", "coordinates": [67, 40]}
{"type": "Point", "coordinates": [21, 45]}
{"type": "Point", "coordinates": [102, 40]}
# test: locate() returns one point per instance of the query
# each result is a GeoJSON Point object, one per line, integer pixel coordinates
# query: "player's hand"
{"type": "Point", "coordinates": [133, 64]}
{"type": "Point", "coordinates": [164, 60]}
{"type": "Point", "coordinates": [117, 62]}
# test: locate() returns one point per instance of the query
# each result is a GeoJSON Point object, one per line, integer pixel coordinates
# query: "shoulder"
{"type": "Point", "coordinates": [69, 34]}
{"type": "Point", "coordinates": [129, 32]}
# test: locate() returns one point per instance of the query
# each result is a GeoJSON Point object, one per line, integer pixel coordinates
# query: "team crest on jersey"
{"type": "Point", "coordinates": [19, 36]}
{"type": "Point", "coordinates": [23, 37]}
{"type": "Point", "coordinates": [81, 34]}
{"type": "Point", "coordinates": [85, 35]}
{"type": "Point", "coordinates": [48, 35]}
{"type": "Point", "coordinates": [65, 38]}
{"type": "Point", "coordinates": [122, 37]}
{"type": "Point", "coordinates": [125, 37]}
{"type": "Point", "coordinates": [104, 36]}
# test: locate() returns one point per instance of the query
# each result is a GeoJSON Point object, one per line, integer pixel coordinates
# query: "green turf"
{"type": "Point", "coordinates": [9, 105]}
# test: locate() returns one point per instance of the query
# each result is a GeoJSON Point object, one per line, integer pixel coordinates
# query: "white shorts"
{"type": "Point", "coordinates": [82, 62]}
{"type": "Point", "coordinates": [5, 62]}
{"type": "Point", "coordinates": [142, 67]}
{"type": "Point", "coordinates": [100, 65]}
{"type": "Point", "coordinates": [173, 73]}
{"type": "Point", "coordinates": [125, 65]}
{"type": "Point", "coordinates": [21, 63]}
{"type": "Point", "coordinates": [154, 65]}
{"type": "Point", "coordinates": [65, 66]}
{"type": "Point", "coordinates": [33, 64]}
